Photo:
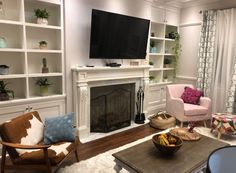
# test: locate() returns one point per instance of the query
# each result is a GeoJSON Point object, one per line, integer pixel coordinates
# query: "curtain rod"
{"type": "Point", "coordinates": [201, 11]}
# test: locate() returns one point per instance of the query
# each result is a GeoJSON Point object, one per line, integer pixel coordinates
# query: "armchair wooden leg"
{"type": "Point", "coordinates": [3, 159]}
{"type": "Point", "coordinates": [48, 164]}
{"type": "Point", "coordinates": [181, 124]}
{"type": "Point", "coordinates": [205, 125]}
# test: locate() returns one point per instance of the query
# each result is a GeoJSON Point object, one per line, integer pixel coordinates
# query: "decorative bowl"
{"type": "Point", "coordinates": [167, 149]}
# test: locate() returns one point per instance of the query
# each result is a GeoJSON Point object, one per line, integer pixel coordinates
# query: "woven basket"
{"type": "Point", "coordinates": [162, 121]}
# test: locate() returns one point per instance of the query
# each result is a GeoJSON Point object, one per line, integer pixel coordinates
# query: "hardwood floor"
{"type": "Point", "coordinates": [93, 148]}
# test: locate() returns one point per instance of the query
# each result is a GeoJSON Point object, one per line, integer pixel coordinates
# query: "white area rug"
{"type": "Point", "coordinates": [231, 139]}
{"type": "Point", "coordinates": [103, 163]}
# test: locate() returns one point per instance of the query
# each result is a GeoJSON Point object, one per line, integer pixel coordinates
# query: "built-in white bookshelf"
{"type": "Point", "coordinates": [22, 54]}
{"type": "Point", "coordinates": [163, 50]}
{"type": "Point", "coordinates": [163, 74]}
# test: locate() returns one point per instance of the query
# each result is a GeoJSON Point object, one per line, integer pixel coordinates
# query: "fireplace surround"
{"type": "Point", "coordinates": [85, 78]}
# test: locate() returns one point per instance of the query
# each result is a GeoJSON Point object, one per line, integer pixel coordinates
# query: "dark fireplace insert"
{"type": "Point", "coordinates": [111, 107]}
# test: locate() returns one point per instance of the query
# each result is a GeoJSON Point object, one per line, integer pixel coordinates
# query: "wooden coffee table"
{"type": "Point", "coordinates": [145, 158]}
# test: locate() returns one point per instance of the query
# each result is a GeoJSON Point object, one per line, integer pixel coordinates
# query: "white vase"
{"type": "Point", "coordinates": [165, 80]}
{"type": "Point", "coordinates": [42, 21]}
{"type": "Point", "coordinates": [43, 46]}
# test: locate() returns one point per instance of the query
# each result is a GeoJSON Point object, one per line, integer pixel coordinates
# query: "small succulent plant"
{"type": "Point", "coordinates": [4, 66]}
{"type": "Point", "coordinates": [151, 63]}
{"type": "Point", "coordinates": [39, 13]}
{"type": "Point", "coordinates": [151, 78]}
{"type": "Point", "coordinates": [152, 43]}
{"type": "Point", "coordinates": [167, 61]}
{"type": "Point", "coordinates": [43, 82]}
{"type": "Point", "coordinates": [43, 42]}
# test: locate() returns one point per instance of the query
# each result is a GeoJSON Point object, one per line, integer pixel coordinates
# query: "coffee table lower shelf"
{"type": "Point", "coordinates": [144, 157]}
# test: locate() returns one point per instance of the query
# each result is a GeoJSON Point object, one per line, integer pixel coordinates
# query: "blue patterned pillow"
{"type": "Point", "coordinates": [59, 129]}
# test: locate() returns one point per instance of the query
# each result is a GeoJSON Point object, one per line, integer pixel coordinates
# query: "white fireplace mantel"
{"type": "Point", "coordinates": [86, 77]}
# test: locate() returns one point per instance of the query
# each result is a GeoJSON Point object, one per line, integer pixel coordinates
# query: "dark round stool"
{"type": "Point", "coordinates": [222, 160]}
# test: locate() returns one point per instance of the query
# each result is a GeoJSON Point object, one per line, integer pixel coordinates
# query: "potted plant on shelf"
{"type": "Point", "coordinates": [151, 63]}
{"type": "Point", "coordinates": [4, 69]}
{"type": "Point", "coordinates": [165, 79]}
{"type": "Point", "coordinates": [43, 84]}
{"type": "Point", "coordinates": [167, 63]}
{"type": "Point", "coordinates": [153, 49]}
{"type": "Point", "coordinates": [43, 44]}
{"type": "Point", "coordinates": [45, 68]}
{"type": "Point", "coordinates": [42, 16]}
{"type": "Point", "coordinates": [5, 93]}
{"type": "Point", "coordinates": [172, 35]}
{"type": "Point", "coordinates": [151, 79]}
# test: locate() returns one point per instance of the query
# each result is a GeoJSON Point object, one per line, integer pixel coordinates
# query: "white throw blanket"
{"type": "Point", "coordinates": [104, 163]}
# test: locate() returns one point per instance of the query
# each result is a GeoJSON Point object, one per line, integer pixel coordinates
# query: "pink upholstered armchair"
{"type": "Point", "coordinates": [186, 112]}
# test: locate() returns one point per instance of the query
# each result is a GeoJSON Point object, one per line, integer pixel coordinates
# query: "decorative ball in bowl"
{"type": "Point", "coordinates": [166, 143]}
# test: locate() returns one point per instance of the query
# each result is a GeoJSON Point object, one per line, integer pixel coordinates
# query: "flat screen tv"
{"type": "Point", "coordinates": [115, 36]}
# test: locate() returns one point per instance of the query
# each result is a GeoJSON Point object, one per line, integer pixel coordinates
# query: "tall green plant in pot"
{"type": "Point", "coordinates": [43, 84]}
{"type": "Point", "coordinates": [5, 93]}
{"type": "Point", "coordinates": [177, 51]}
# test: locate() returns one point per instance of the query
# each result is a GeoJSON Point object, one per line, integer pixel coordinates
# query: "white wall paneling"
{"type": "Point", "coordinates": [190, 37]}
{"type": "Point", "coordinates": [78, 30]}
{"type": "Point", "coordinates": [190, 27]}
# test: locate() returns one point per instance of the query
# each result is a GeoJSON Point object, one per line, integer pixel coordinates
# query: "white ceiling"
{"type": "Point", "coordinates": [181, 3]}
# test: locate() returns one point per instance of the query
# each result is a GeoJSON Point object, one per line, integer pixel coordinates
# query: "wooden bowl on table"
{"type": "Point", "coordinates": [166, 143]}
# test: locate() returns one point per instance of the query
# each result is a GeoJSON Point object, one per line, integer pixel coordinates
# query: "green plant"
{"type": "Point", "coordinates": [43, 42]}
{"type": "Point", "coordinates": [5, 90]}
{"type": "Point", "coordinates": [177, 51]}
{"type": "Point", "coordinates": [151, 77]}
{"type": "Point", "coordinates": [152, 44]}
{"type": "Point", "coordinates": [167, 61]}
{"type": "Point", "coordinates": [151, 63]}
{"type": "Point", "coordinates": [43, 82]}
{"type": "Point", "coordinates": [39, 13]}
{"type": "Point", "coordinates": [165, 77]}
{"type": "Point", "coordinates": [4, 66]}
{"type": "Point", "coordinates": [172, 35]}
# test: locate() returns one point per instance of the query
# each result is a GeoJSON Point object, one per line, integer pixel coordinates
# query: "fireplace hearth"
{"type": "Point", "coordinates": [112, 107]}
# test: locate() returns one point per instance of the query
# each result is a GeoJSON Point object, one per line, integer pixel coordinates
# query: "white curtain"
{"type": "Point", "coordinates": [223, 58]}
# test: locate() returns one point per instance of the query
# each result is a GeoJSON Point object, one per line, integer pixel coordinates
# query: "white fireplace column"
{"type": "Point", "coordinates": [81, 95]}
{"type": "Point", "coordinates": [83, 108]}
{"type": "Point", "coordinates": [86, 77]}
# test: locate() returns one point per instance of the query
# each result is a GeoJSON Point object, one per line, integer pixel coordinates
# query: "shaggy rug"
{"type": "Point", "coordinates": [103, 163]}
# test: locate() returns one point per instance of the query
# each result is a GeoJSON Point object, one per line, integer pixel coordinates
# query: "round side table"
{"type": "Point", "coordinates": [222, 160]}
